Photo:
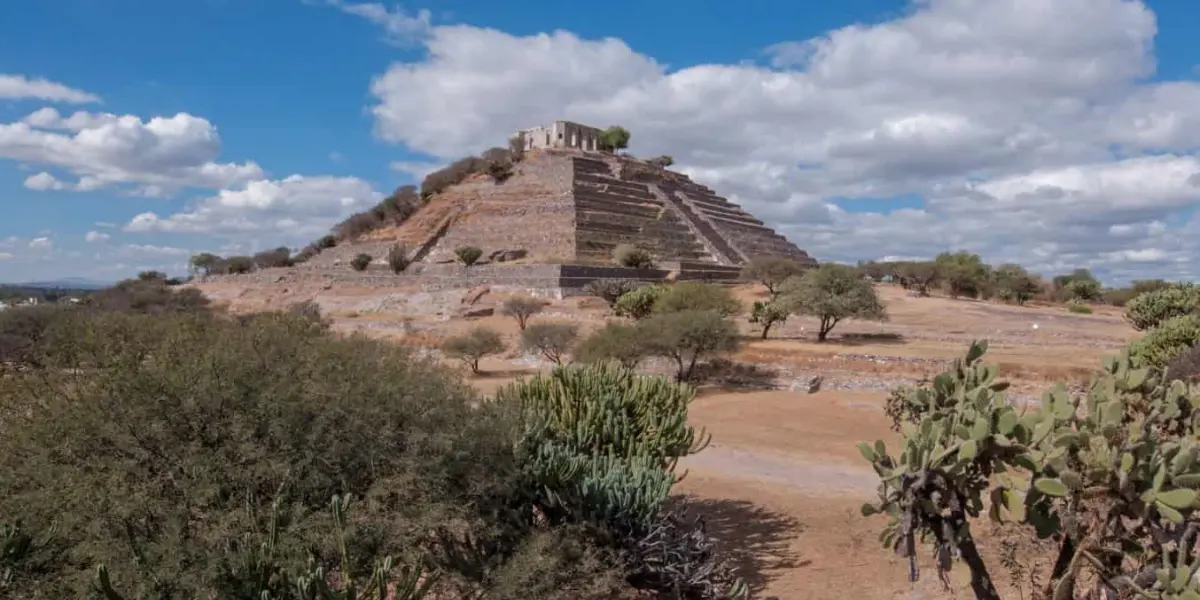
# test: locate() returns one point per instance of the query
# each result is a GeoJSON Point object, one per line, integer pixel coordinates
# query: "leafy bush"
{"type": "Point", "coordinates": [1163, 343]}
{"type": "Point", "coordinates": [833, 293]}
{"type": "Point", "coordinates": [360, 262]}
{"type": "Point", "coordinates": [768, 314]}
{"type": "Point", "coordinates": [22, 330]}
{"type": "Point", "coordinates": [616, 342]}
{"type": "Point", "coordinates": [551, 340]}
{"type": "Point", "coordinates": [772, 271]}
{"type": "Point", "coordinates": [661, 162]}
{"type": "Point", "coordinates": [397, 258]}
{"type": "Point", "coordinates": [1151, 308]}
{"type": "Point", "coordinates": [477, 343]}
{"type": "Point", "coordinates": [639, 303]}
{"type": "Point", "coordinates": [633, 257]}
{"type": "Point", "coordinates": [521, 308]}
{"type": "Point", "coordinates": [697, 296]}
{"type": "Point", "coordinates": [604, 443]}
{"type": "Point", "coordinates": [614, 138]}
{"type": "Point", "coordinates": [1114, 469]}
{"type": "Point", "coordinates": [148, 296]}
{"type": "Point", "coordinates": [236, 265]}
{"type": "Point", "coordinates": [311, 311]}
{"type": "Point", "coordinates": [610, 290]}
{"type": "Point", "coordinates": [1014, 284]}
{"type": "Point", "coordinates": [1083, 290]}
{"type": "Point", "coordinates": [453, 174]}
{"type": "Point", "coordinates": [687, 336]}
{"type": "Point", "coordinates": [279, 257]}
{"type": "Point", "coordinates": [1079, 307]}
{"type": "Point", "coordinates": [158, 444]}
{"type": "Point", "coordinates": [468, 255]}
{"type": "Point", "coordinates": [393, 210]}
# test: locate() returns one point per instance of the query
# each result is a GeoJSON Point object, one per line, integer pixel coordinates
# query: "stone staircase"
{"type": "Point", "coordinates": [610, 211]}
{"type": "Point", "coordinates": [740, 231]}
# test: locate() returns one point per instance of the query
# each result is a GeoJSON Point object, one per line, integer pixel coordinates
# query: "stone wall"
{"type": "Point", "coordinates": [561, 134]}
{"type": "Point", "coordinates": [531, 211]}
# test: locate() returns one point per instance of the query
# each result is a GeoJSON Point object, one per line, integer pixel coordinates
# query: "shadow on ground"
{"type": "Point", "coordinates": [861, 339]}
{"type": "Point", "coordinates": [756, 540]}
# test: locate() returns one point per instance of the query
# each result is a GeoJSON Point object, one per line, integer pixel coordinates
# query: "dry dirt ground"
{"type": "Point", "coordinates": [782, 481]}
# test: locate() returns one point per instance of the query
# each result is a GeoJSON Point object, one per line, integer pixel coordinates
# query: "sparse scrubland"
{"type": "Point", "coordinates": [157, 446]}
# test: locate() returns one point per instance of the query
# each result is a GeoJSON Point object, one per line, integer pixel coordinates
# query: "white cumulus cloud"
{"type": "Point", "coordinates": [20, 87]}
{"type": "Point", "coordinates": [96, 237]}
{"type": "Point", "coordinates": [148, 157]}
{"type": "Point", "coordinates": [1017, 137]}
{"type": "Point", "coordinates": [290, 210]}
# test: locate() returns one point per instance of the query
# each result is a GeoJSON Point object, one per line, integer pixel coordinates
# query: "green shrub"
{"type": "Point", "coordinates": [1075, 471]}
{"type": "Point", "coordinates": [1079, 308]}
{"type": "Point", "coordinates": [603, 443]}
{"type": "Point", "coordinates": [688, 336]}
{"type": "Point", "coordinates": [468, 255]}
{"type": "Point", "coordinates": [22, 330]}
{"type": "Point", "coordinates": [551, 340]}
{"type": "Point", "coordinates": [614, 138]}
{"type": "Point", "coordinates": [833, 293]}
{"type": "Point", "coordinates": [697, 296]}
{"type": "Point", "coordinates": [614, 342]}
{"type": "Point", "coordinates": [360, 262]}
{"type": "Point", "coordinates": [397, 258]}
{"type": "Point", "coordinates": [156, 445]}
{"type": "Point", "coordinates": [1151, 308]}
{"type": "Point", "coordinates": [1083, 290]}
{"type": "Point", "coordinates": [610, 290]}
{"type": "Point", "coordinates": [633, 257]}
{"type": "Point", "coordinates": [477, 343]}
{"type": "Point", "coordinates": [521, 308]}
{"type": "Point", "coordinates": [639, 303]}
{"type": "Point", "coordinates": [1163, 343]}
{"type": "Point", "coordinates": [149, 296]}
{"type": "Point", "coordinates": [768, 314]}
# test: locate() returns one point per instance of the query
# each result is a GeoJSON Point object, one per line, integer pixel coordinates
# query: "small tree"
{"type": "Point", "coordinates": [688, 336]}
{"type": "Point", "coordinates": [521, 308]}
{"type": "Point", "coordinates": [695, 295]}
{"type": "Point", "coordinates": [615, 341]}
{"type": "Point", "coordinates": [833, 293]}
{"type": "Point", "coordinates": [475, 344]}
{"type": "Point", "coordinates": [360, 262]}
{"type": "Point", "coordinates": [772, 271]}
{"type": "Point", "coordinates": [639, 303]}
{"type": "Point", "coordinates": [1083, 290]}
{"type": "Point", "coordinates": [614, 138]}
{"type": "Point", "coordinates": [552, 340]}
{"type": "Point", "coordinates": [468, 255]}
{"type": "Point", "coordinates": [204, 263]}
{"type": "Point", "coordinates": [633, 257]}
{"type": "Point", "coordinates": [919, 275]}
{"type": "Point", "coordinates": [397, 258]}
{"type": "Point", "coordinates": [1015, 284]}
{"type": "Point", "coordinates": [770, 313]}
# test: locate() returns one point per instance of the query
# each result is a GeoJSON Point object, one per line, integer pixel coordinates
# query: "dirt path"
{"type": "Point", "coordinates": [809, 476]}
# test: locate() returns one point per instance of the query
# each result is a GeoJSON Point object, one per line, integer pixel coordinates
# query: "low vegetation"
{"type": "Point", "coordinates": [1109, 478]}
{"type": "Point", "coordinates": [553, 341]}
{"type": "Point", "coordinates": [360, 262]}
{"type": "Point", "coordinates": [473, 346]}
{"type": "Point", "coordinates": [618, 342]}
{"type": "Point", "coordinates": [397, 258]}
{"type": "Point", "coordinates": [772, 271]}
{"type": "Point", "coordinates": [633, 257]}
{"type": "Point", "coordinates": [468, 255]}
{"type": "Point", "coordinates": [639, 303]}
{"type": "Point", "coordinates": [521, 308]}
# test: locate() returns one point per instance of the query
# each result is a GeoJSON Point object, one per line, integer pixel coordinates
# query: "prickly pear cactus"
{"type": "Point", "coordinates": [1113, 475]}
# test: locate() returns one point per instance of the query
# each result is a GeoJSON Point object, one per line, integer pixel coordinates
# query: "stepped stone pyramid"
{"type": "Point", "coordinates": [566, 204]}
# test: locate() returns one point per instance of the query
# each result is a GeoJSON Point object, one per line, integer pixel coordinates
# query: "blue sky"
{"type": "Point", "coordinates": [921, 126]}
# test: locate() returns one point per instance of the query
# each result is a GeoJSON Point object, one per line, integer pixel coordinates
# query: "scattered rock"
{"type": "Point", "coordinates": [500, 256]}
{"type": "Point", "coordinates": [672, 276]}
{"type": "Point", "coordinates": [474, 294]}
{"type": "Point", "coordinates": [475, 313]}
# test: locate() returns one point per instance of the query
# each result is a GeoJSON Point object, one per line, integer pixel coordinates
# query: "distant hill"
{"type": "Point", "coordinates": [66, 283]}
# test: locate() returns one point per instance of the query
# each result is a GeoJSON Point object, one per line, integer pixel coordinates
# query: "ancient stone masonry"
{"type": "Point", "coordinates": [568, 205]}
{"type": "Point", "coordinates": [561, 134]}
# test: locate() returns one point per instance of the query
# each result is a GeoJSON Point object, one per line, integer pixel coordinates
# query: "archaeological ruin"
{"type": "Point", "coordinates": [553, 224]}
